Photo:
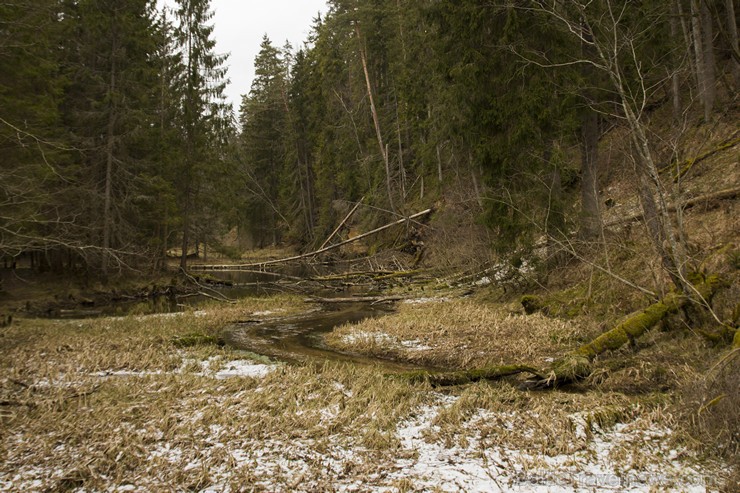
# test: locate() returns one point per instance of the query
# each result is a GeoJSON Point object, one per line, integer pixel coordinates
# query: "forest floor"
{"type": "Point", "coordinates": [117, 404]}
{"type": "Point", "coordinates": [150, 403]}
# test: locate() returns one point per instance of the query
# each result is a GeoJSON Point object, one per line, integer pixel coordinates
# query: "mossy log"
{"type": "Point", "coordinates": [443, 379]}
{"type": "Point", "coordinates": [577, 364]}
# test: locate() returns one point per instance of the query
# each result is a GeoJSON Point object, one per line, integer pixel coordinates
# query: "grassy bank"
{"type": "Point", "coordinates": [114, 404]}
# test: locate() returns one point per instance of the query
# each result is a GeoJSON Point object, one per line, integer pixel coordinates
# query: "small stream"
{"type": "Point", "coordinates": [300, 339]}
{"type": "Point", "coordinates": [297, 339]}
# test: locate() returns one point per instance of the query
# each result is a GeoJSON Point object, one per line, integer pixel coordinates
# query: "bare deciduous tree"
{"type": "Point", "coordinates": [601, 26]}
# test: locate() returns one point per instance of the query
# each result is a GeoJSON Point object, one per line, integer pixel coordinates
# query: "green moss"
{"type": "Point", "coordinates": [197, 339]}
{"type": "Point", "coordinates": [572, 367]}
{"type": "Point", "coordinates": [531, 303]}
{"type": "Point", "coordinates": [577, 364]}
{"type": "Point", "coordinates": [468, 376]}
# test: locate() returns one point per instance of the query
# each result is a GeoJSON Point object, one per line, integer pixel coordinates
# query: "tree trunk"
{"type": "Point", "coordinates": [704, 72]}
{"type": "Point", "coordinates": [675, 80]}
{"type": "Point", "coordinates": [185, 229]}
{"type": "Point", "coordinates": [555, 223]}
{"type": "Point", "coordinates": [709, 60]}
{"type": "Point", "coordinates": [733, 41]}
{"type": "Point", "coordinates": [439, 163]}
{"type": "Point", "coordinates": [590, 210]}
{"type": "Point", "coordinates": [109, 150]}
{"type": "Point", "coordinates": [686, 31]}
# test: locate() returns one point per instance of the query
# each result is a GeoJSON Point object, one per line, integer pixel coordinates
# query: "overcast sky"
{"type": "Point", "coordinates": [240, 25]}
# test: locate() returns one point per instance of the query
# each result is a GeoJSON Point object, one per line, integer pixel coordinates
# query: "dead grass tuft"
{"type": "Point", "coordinates": [460, 334]}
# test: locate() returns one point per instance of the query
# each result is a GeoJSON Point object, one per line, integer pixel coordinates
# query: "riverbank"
{"type": "Point", "coordinates": [119, 404]}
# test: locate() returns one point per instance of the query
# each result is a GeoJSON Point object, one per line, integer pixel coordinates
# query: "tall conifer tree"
{"type": "Point", "coordinates": [203, 111]}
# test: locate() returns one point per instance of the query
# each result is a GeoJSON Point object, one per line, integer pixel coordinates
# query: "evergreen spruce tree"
{"type": "Point", "coordinates": [203, 117]}
{"type": "Point", "coordinates": [108, 109]}
{"type": "Point", "coordinates": [264, 121]}
{"type": "Point", "coordinates": [34, 150]}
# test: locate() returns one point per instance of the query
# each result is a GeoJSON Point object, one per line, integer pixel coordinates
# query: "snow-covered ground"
{"type": "Point", "coordinates": [433, 465]}
{"type": "Point", "coordinates": [422, 460]}
{"type": "Point", "coordinates": [479, 468]}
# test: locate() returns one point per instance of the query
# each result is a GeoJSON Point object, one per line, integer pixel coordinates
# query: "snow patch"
{"type": "Point", "coordinates": [383, 339]}
{"type": "Point", "coordinates": [421, 301]}
{"type": "Point", "coordinates": [477, 467]}
{"type": "Point", "coordinates": [243, 368]}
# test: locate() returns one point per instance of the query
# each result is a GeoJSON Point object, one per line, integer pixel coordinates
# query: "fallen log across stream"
{"type": "Point", "coordinates": [314, 253]}
{"type": "Point", "coordinates": [357, 299]}
{"type": "Point", "coordinates": [576, 365]}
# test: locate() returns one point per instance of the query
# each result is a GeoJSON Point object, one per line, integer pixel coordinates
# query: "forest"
{"type": "Point", "coordinates": [119, 145]}
{"type": "Point", "coordinates": [542, 194]}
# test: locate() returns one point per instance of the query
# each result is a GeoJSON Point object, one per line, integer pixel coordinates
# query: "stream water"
{"type": "Point", "coordinates": [300, 338]}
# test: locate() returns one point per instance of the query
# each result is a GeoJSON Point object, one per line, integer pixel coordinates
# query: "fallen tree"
{"type": "Point", "coordinates": [328, 248]}
{"type": "Point", "coordinates": [443, 379]}
{"type": "Point", "coordinates": [577, 364]}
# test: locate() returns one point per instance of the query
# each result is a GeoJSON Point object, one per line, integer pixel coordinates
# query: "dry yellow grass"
{"type": "Point", "coordinates": [162, 423]}
{"type": "Point", "coordinates": [462, 334]}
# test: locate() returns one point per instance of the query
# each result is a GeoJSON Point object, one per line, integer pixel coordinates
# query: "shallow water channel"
{"type": "Point", "coordinates": [300, 339]}
{"type": "Point", "coordinates": [295, 339]}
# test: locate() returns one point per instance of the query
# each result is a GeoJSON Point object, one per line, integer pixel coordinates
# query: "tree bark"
{"type": "Point", "coordinates": [555, 222]}
{"type": "Point", "coordinates": [185, 227]}
{"type": "Point", "coordinates": [675, 80]}
{"type": "Point", "coordinates": [590, 211]}
{"type": "Point", "coordinates": [709, 59]}
{"type": "Point", "coordinates": [704, 72]}
{"type": "Point", "coordinates": [733, 40]}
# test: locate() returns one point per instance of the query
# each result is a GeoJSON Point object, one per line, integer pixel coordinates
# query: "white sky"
{"type": "Point", "coordinates": [240, 25]}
